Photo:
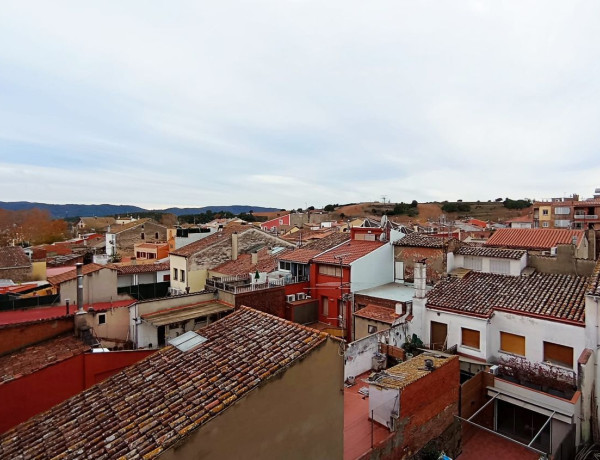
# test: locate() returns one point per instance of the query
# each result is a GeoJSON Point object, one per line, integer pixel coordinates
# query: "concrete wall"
{"type": "Point", "coordinates": [515, 266]}
{"type": "Point", "coordinates": [38, 270]}
{"type": "Point", "coordinates": [115, 331]}
{"type": "Point", "coordinates": [564, 263]}
{"type": "Point", "coordinates": [374, 269]}
{"type": "Point", "coordinates": [297, 414]}
{"type": "Point", "coordinates": [98, 286]}
{"type": "Point", "coordinates": [358, 354]}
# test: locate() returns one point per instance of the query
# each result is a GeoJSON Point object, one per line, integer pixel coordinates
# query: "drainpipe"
{"type": "Point", "coordinates": [79, 266]}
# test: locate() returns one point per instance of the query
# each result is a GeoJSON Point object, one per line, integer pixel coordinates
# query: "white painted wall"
{"type": "Point", "coordinates": [111, 244]}
{"type": "Point", "coordinates": [382, 402]}
{"type": "Point", "coordinates": [455, 322]}
{"type": "Point", "coordinates": [374, 269]}
{"type": "Point", "coordinates": [515, 266]}
{"type": "Point", "coordinates": [180, 263]}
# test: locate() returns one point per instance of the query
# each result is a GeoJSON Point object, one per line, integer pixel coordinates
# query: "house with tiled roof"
{"type": "Point", "coordinates": [520, 222]}
{"type": "Point", "coordinates": [100, 284]}
{"type": "Point", "coordinates": [121, 239]}
{"type": "Point", "coordinates": [418, 246]}
{"type": "Point", "coordinates": [541, 241]}
{"type": "Point", "coordinates": [190, 264]}
{"type": "Point", "coordinates": [239, 380]}
{"type": "Point", "coordinates": [95, 224]}
{"type": "Point", "coordinates": [14, 264]}
{"type": "Point", "coordinates": [529, 326]}
{"type": "Point", "coordinates": [348, 267]}
{"type": "Point", "coordinates": [489, 260]}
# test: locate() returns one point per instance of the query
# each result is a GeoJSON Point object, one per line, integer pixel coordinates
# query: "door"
{"type": "Point", "coordinates": [439, 332]}
{"type": "Point", "coordinates": [399, 271]}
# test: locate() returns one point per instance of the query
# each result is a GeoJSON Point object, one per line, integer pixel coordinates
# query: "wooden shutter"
{"type": "Point", "coordinates": [512, 343]}
{"type": "Point", "coordinates": [470, 338]}
{"type": "Point", "coordinates": [439, 331]}
{"type": "Point", "coordinates": [558, 354]}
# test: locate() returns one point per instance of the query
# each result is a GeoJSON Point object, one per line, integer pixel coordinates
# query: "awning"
{"type": "Point", "coordinates": [177, 315]}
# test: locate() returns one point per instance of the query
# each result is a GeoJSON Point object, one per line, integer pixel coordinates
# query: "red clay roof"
{"type": "Point", "coordinates": [533, 238]}
{"type": "Point", "coordinates": [156, 403]}
{"type": "Point", "coordinates": [196, 246]}
{"type": "Point", "coordinates": [301, 255]}
{"type": "Point", "coordinates": [478, 223]}
{"type": "Point", "coordinates": [72, 274]}
{"type": "Point", "coordinates": [243, 265]}
{"type": "Point", "coordinates": [498, 253]}
{"type": "Point", "coordinates": [594, 286]}
{"type": "Point", "coordinates": [13, 256]}
{"type": "Point", "coordinates": [38, 356]}
{"type": "Point", "coordinates": [558, 297]}
{"type": "Point", "coordinates": [521, 219]}
{"type": "Point", "coordinates": [377, 313]}
{"type": "Point", "coordinates": [420, 240]}
{"type": "Point", "coordinates": [350, 252]}
{"type": "Point", "coordinates": [140, 268]}
{"type": "Point", "coordinates": [46, 313]}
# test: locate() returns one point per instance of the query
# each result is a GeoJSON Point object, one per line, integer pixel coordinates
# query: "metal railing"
{"type": "Point", "coordinates": [232, 284]}
{"type": "Point", "coordinates": [586, 216]}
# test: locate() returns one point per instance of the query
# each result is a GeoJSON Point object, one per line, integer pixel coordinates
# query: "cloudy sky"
{"type": "Point", "coordinates": [293, 103]}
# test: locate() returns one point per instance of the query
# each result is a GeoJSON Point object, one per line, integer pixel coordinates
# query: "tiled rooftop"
{"type": "Point", "coordinates": [36, 357]}
{"type": "Point", "coordinates": [533, 238]}
{"type": "Point", "coordinates": [594, 285]}
{"type": "Point", "coordinates": [140, 268]}
{"type": "Point", "coordinates": [129, 225]}
{"type": "Point", "coordinates": [196, 246]}
{"type": "Point", "coordinates": [300, 255]}
{"type": "Point", "coordinates": [72, 274]}
{"type": "Point", "coordinates": [421, 240]}
{"type": "Point", "coordinates": [498, 253]}
{"type": "Point", "coordinates": [408, 372]}
{"type": "Point", "coordinates": [46, 313]}
{"type": "Point", "coordinates": [377, 313]}
{"type": "Point", "coordinates": [13, 256]}
{"type": "Point", "coordinates": [154, 404]}
{"type": "Point", "coordinates": [350, 252]}
{"type": "Point", "coordinates": [557, 297]}
{"type": "Point", "coordinates": [328, 241]}
{"type": "Point", "coordinates": [244, 266]}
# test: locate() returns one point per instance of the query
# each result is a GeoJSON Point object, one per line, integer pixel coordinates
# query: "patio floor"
{"type": "Point", "coordinates": [487, 445]}
{"type": "Point", "coordinates": [357, 425]}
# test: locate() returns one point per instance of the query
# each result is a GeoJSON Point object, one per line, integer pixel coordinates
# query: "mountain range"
{"type": "Point", "coordinates": [62, 211]}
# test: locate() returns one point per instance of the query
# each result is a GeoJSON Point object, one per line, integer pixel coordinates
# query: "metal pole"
{"type": "Point", "coordinates": [79, 286]}
{"type": "Point", "coordinates": [372, 421]}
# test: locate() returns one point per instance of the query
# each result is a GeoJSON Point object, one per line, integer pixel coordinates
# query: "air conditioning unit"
{"type": "Point", "coordinates": [290, 298]}
{"type": "Point", "coordinates": [494, 369]}
{"type": "Point", "coordinates": [301, 296]}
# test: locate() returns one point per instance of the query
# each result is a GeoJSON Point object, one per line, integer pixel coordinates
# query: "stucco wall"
{"type": "Point", "coordinates": [564, 263]}
{"type": "Point", "coordinates": [18, 275]}
{"type": "Point", "coordinates": [116, 326]}
{"type": "Point", "coordinates": [98, 286]}
{"type": "Point", "coordinates": [297, 414]}
{"type": "Point", "coordinates": [374, 269]}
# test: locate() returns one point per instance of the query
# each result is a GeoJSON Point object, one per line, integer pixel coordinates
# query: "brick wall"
{"type": "Point", "coordinates": [18, 275]}
{"type": "Point", "coordinates": [14, 337]}
{"type": "Point", "coordinates": [268, 300]}
{"type": "Point", "coordinates": [473, 396]}
{"type": "Point", "coordinates": [127, 239]}
{"type": "Point", "coordinates": [361, 301]}
{"type": "Point", "coordinates": [436, 261]}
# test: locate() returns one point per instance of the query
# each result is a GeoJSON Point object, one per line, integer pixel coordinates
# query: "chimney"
{"type": "Point", "coordinates": [134, 261]}
{"type": "Point", "coordinates": [254, 258]}
{"type": "Point", "coordinates": [420, 276]}
{"type": "Point", "coordinates": [67, 301]}
{"type": "Point", "coordinates": [79, 266]}
{"type": "Point", "coordinates": [234, 246]}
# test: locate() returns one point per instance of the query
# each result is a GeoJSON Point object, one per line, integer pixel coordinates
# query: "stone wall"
{"type": "Point", "coordinates": [18, 275]}
{"type": "Point", "coordinates": [127, 239]}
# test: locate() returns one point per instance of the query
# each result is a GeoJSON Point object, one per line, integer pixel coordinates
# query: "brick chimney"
{"type": "Point", "coordinates": [234, 246]}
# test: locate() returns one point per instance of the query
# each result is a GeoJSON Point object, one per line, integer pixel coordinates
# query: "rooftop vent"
{"type": "Point", "coordinates": [187, 341]}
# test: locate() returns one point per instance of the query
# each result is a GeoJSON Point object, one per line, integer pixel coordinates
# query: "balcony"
{"type": "Point", "coordinates": [586, 217]}
{"type": "Point", "coordinates": [243, 283]}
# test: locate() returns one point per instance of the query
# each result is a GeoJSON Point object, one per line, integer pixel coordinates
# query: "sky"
{"type": "Point", "coordinates": [297, 103]}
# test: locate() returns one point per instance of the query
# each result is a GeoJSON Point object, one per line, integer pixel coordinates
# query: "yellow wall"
{"type": "Point", "coordinates": [548, 209]}
{"type": "Point", "coordinates": [362, 327]}
{"type": "Point", "coordinates": [298, 414]}
{"type": "Point", "coordinates": [38, 272]}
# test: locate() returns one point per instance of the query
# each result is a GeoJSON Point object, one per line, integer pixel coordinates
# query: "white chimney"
{"type": "Point", "coordinates": [254, 258]}
{"type": "Point", "coordinates": [234, 246]}
{"type": "Point", "coordinates": [420, 276]}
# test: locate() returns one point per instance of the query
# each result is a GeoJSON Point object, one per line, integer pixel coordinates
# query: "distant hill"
{"type": "Point", "coordinates": [62, 211]}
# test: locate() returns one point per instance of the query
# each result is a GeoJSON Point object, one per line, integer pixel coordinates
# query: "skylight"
{"type": "Point", "coordinates": [187, 341]}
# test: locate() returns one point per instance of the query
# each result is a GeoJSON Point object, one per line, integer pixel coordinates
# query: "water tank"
{"type": "Point", "coordinates": [379, 362]}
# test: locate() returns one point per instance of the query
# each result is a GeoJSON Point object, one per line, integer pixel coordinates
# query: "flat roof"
{"type": "Point", "coordinates": [403, 374]}
{"type": "Point", "coordinates": [401, 292]}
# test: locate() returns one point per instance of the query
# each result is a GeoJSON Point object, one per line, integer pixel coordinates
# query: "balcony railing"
{"type": "Point", "coordinates": [586, 216]}
{"type": "Point", "coordinates": [241, 284]}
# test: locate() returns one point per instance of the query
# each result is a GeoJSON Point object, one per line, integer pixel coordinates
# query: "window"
{"type": "Point", "coordinates": [512, 343]}
{"type": "Point", "coordinates": [500, 266]}
{"type": "Point", "coordinates": [156, 235]}
{"type": "Point", "coordinates": [371, 329]}
{"type": "Point", "coordinates": [182, 276]}
{"type": "Point", "coordinates": [562, 210]}
{"type": "Point", "coordinates": [175, 271]}
{"type": "Point", "coordinates": [102, 318]}
{"type": "Point", "coordinates": [470, 338]}
{"type": "Point", "coordinates": [143, 236]}
{"type": "Point", "coordinates": [474, 263]}
{"type": "Point", "coordinates": [558, 354]}
{"type": "Point", "coordinates": [545, 224]}
{"type": "Point", "coordinates": [330, 270]}
{"type": "Point", "coordinates": [544, 212]}
{"type": "Point", "coordinates": [325, 303]}
{"type": "Point", "coordinates": [285, 265]}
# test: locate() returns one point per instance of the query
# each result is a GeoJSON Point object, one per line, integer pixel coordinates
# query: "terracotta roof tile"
{"type": "Point", "coordinates": [140, 268]}
{"type": "Point", "coordinates": [377, 313]}
{"type": "Point", "coordinates": [328, 241]}
{"type": "Point", "coordinates": [350, 251]}
{"type": "Point", "coordinates": [498, 253]}
{"type": "Point", "coordinates": [121, 228]}
{"type": "Point", "coordinates": [38, 356]}
{"type": "Point", "coordinates": [215, 238]}
{"type": "Point", "coordinates": [244, 266]}
{"type": "Point", "coordinates": [300, 255]}
{"type": "Point", "coordinates": [594, 284]}
{"type": "Point", "coordinates": [154, 404]}
{"type": "Point", "coordinates": [13, 256]}
{"type": "Point", "coordinates": [533, 238]}
{"type": "Point", "coordinates": [72, 274]}
{"type": "Point", "coordinates": [558, 297]}
{"type": "Point", "coordinates": [419, 240]}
